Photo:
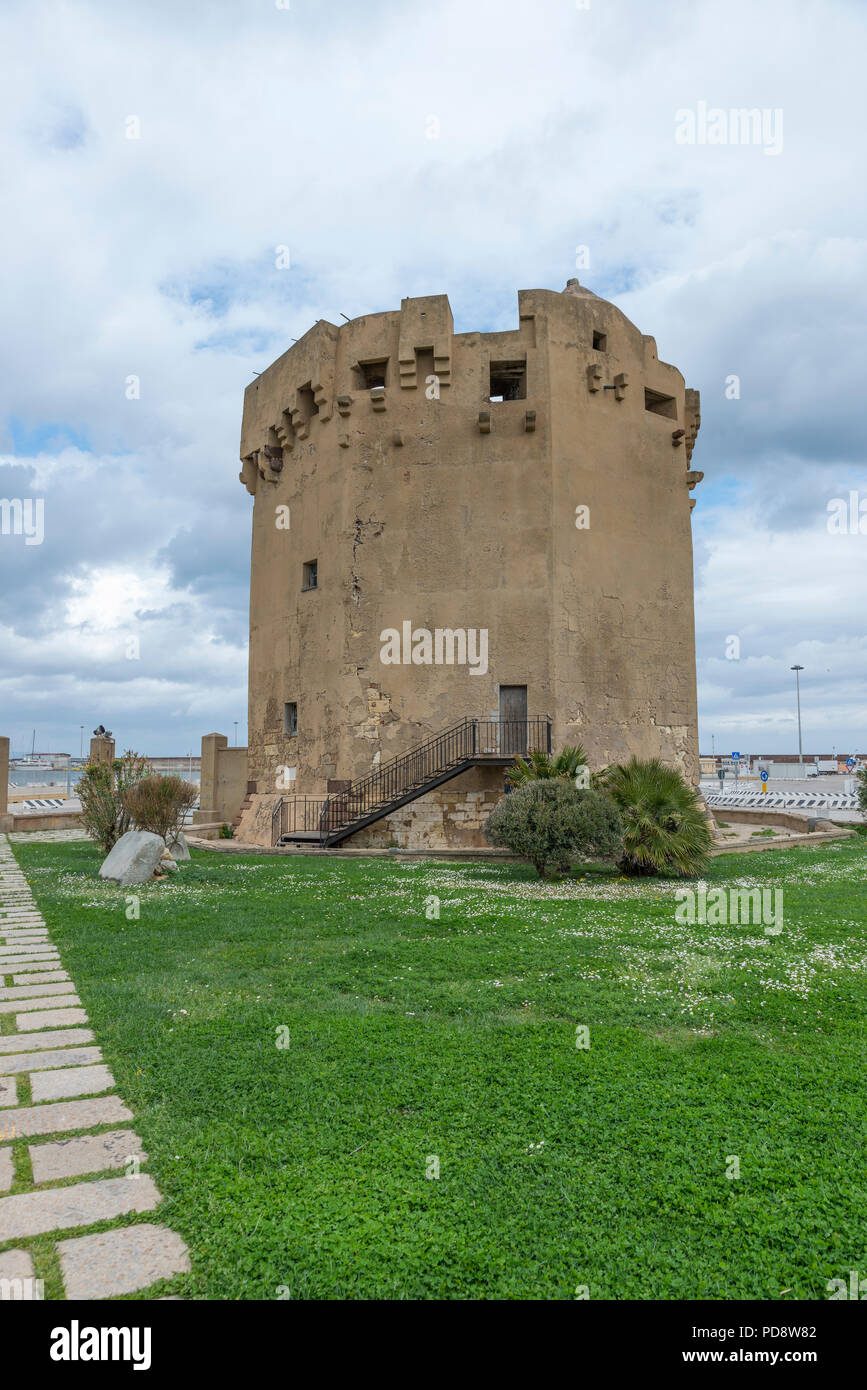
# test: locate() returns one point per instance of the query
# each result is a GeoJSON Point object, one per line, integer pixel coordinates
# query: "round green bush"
{"type": "Point", "coordinates": [552, 824]}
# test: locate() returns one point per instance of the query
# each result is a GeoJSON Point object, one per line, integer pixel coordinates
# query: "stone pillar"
{"type": "Point", "coordinates": [5, 818]}
{"type": "Point", "coordinates": [212, 746]}
{"type": "Point", "coordinates": [101, 749]}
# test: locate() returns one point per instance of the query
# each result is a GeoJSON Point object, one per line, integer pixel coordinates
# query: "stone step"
{"type": "Point", "coordinates": [7, 1171]}
{"type": "Point", "coordinates": [83, 1204]}
{"type": "Point", "coordinates": [17, 1265]}
{"type": "Point", "coordinates": [41, 1061]}
{"type": "Point", "coordinates": [91, 1153]}
{"type": "Point", "coordinates": [8, 1092]}
{"type": "Point", "coordinates": [49, 977]}
{"type": "Point", "coordinates": [70, 1081]}
{"type": "Point", "coordinates": [51, 1018]}
{"type": "Point", "coordinates": [68, 1037]}
{"type": "Point", "coordinates": [62, 1117]}
{"type": "Point", "coordinates": [123, 1261]}
{"type": "Point", "coordinates": [51, 1000]}
{"type": "Point", "coordinates": [35, 991]}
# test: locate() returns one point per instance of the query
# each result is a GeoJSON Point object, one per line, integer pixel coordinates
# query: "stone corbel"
{"type": "Point", "coordinates": [621, 381]}
{"type": "Point", "coordinates": [484, 422]}
{"type": "Point", "coordinates": [594, 377]}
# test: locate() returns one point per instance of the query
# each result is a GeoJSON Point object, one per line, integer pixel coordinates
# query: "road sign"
{"type": "Point", "coordinates": [735, 756]}
{"type": "Point", "coordinates": [850, 762]}
{"type": "Point", "coordinates": [763, 774]}
{"type": "Point", "coordinates": [721, 774]}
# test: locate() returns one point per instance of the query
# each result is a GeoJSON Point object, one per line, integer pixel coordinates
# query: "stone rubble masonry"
{"type": "Point", "coordinates": [65, 1072]}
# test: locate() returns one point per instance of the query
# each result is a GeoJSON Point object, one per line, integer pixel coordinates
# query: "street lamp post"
{"type": "Point", "coordinates": [236, 733]}
{"type": "Point", "coordinates": [797, 670]}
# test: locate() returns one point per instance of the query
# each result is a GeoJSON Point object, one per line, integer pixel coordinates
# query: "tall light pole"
{"type": "Point", "coordinates": [797, 670]}
{"type": "Point", "coordinates": [81, 743]}
{"type": "Point", "coordinates": [236, 733]}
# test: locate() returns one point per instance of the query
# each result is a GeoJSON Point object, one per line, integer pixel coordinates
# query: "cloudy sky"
{"type": "Point", "coordinates": [153, 156]}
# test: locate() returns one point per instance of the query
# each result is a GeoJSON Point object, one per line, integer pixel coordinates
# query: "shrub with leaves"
{"type": "Point", "coordinates": [861, 778]}
{"type": "Point", "coordinates": [664, 826]}
{"type": "Point", "coordinates": [551, 823]}
{"type": "Point", "coordinates": [102, 790]}
{"type": "Point", "coordinates": [160, 802]}
{"type": "Point", "coordinates": [567, 763]}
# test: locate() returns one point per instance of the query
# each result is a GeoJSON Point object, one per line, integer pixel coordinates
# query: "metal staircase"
{"type": "Point", "coordinates": [473, 742]}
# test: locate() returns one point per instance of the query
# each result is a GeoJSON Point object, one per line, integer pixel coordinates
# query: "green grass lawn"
{"type": "Point", "coordinates": [302, 1168]}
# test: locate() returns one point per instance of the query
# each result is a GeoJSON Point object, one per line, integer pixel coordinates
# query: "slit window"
{"type": "Point", "coordinates": [371, 374]}
{"type": "Point", "coordinates": [508, 381]}
{"type": "Point", "coordinates": [660, 405]}
{"type": "Point", "coordinates": [290, 718]}
{"type": "Point", "coordinates": [307, 401]}
{"type": "Point", "coordinates": [310, 575]}
{"type": "Point", "coordinates": [600, 341]}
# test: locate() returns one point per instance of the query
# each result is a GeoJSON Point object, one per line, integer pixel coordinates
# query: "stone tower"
{"type": "Point", "coordinates": [526, 493]}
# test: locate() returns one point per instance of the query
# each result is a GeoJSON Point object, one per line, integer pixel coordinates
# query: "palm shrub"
{"type": "Point", "coordinates": [159, 803]}
{"type": "Point", "coordinates": [861, 778]}
{"type": "Point", "coordinates": [551, 823]}
{"type": "Point", "coordinates": [566, 763]}
{"type": "Point", "coordinates": [102, 790]}
{"type": "Point", "coordinates": [664, 826]}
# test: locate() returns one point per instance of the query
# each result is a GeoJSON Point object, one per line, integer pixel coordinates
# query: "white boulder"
{"type": "Point", "coordinates": [134, 858]}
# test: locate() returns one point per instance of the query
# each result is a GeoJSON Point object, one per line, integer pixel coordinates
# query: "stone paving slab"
{"type": "Point", "coordinates": [53, 1000]}
{"type": "Point", "coordinates": [41, 1061]}
{"type": "Point", "coordinates": [70, 1081]}
{"type": "Point", "coordinates": [60, 1208]}
{"type": "Point", "coordinates": [49, 977]}
{"type": "Point", "coordinates": [7, 1171]}
{"type": "Point", "coordinates": [35, 966]}
{"type": "Point", "coordinates": [90, 1153]}
{"type": "Point", "coordinates": [33, 991]}
{"type": "Point", "coordinates": [8, 1091]}
{"type": "Point", "coordinates": [27, 962]}
{"type": "Point", "coordinates": [15, 1264]}
{"type": "Point", "coordinates": [63, 1037]}
{"type": "Point", "coordinates": [64, 1116]}
{"type": "Point", "coordinates": [35, 948]}
{"type": "Point", "coordinates": [52, 1018]}
{"type": "Point", "coordinates": [118, 1262]}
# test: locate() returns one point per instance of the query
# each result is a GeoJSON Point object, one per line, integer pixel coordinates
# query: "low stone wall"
{"type": "Point", "coordinates": [224, 781]}
{"type": "Point", "coordinates": [805, 821]}
{"type": "Point", "coordinates": [46, 820]}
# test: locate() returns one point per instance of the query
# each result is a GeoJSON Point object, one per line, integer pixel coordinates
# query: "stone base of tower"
{"type": "Point", "coordinates": [450, 818]}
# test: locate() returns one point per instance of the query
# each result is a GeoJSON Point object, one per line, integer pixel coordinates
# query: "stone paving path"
{"type": "Point", "coordinates": [53, 1082]}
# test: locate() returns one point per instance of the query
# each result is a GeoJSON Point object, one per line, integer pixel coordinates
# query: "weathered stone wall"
{"type": "Point", "coordinates": [450, 818]}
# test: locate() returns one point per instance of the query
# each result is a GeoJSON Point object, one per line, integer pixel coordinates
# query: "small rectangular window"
{"type": "Point", "coordinates": [310, 575]}
{"type": "Point", "coordinates": [371, 374]}
{"type": "Point", "coordinates": [659, 404]}
{"type": "Point", "coordinates": [290, 718]}
{"type": "Point", "coordinates": [508, 381]}
{"type": "Point", "coordinates": [600, 341]}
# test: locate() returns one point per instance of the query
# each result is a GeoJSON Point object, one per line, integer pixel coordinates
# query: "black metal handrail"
{"type": "Point", "coordinates": [471, 738]}
{"type": "Point", "coordinates": [297, 815]}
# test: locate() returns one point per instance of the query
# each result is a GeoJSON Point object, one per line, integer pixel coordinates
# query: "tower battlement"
{"type": "Point", "coordinates": [364, 379]}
